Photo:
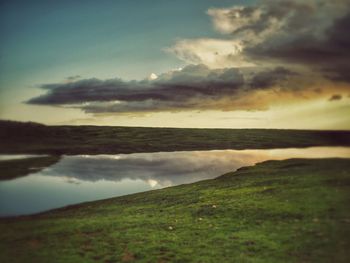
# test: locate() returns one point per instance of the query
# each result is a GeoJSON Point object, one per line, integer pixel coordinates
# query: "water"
{"type": "Point", "coordinates": [5, 157]}
{"type": "Point", "coordinates": [76, 179]}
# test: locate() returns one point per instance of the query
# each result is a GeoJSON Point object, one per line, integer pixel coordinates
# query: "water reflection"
{"type": "Point", "coordinates": [82, 178]}
{"type": "Point", "coordinates": [6, 157]}
{"type": "Point", "coordinates": [156, 169]}
{"type": "Point", "coordinates": [173, 168]}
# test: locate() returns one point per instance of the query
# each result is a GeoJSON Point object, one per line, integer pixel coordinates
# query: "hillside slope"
{"type": "Point", "coordinates": [277, 211]}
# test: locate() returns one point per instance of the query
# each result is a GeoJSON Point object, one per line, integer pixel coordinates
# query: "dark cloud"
{"type": "Point", "coordinates": [192, 81]}
{"type": "Point", "coordinates": [335, 97]}
{"type": "Point", "coordinates": [291, 16]}
{"type": "Point", "coordinates": [313, 34]}
{"type": "Point", "coordinates": [270, 78]}
{"type": "Point", "coordinates": [305, 34]}
{"type": "Point", "coordinates": [73, 78]}
{"type": "Point", "coordinates": [172, 90]}
{"type": "Point", "coordinates": [194, 87]}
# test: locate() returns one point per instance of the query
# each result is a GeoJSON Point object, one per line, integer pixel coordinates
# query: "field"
{"type": "Point", "coordinates": [16, 137]}
{"type": "Point", "coordinates": [295, 210]}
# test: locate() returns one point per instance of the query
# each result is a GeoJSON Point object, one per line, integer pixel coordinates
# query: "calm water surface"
{"type": "Point", "coordinates": [5, 157]}
{"type": "Point", "coordinates": [81, 178]}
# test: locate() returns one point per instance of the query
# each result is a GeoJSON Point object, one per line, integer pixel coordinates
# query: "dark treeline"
{"type": "Point", "coordinates": [20, 137]}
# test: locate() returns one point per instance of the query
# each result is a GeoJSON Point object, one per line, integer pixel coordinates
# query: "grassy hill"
{"type": "Point", "coordinates": [17, 137]}
{"type": "Point", "coordinates": [278, 211]}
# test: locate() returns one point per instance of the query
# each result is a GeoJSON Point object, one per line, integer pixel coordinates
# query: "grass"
{"type": "Point", "coordinates": [295, 210]}
{"type": "Point", "coordinates": [11, 169]}
{"type": "Point", "coordinates": [17, 137]}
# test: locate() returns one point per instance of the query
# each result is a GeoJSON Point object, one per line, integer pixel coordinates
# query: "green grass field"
{"type": "Point", "coordinates": [16, 137]}
{"type": "Point", "coordinates": [278, 211]}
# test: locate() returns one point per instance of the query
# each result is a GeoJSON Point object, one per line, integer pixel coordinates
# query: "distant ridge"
{"type": "Point", "coordinates": [31, 137]}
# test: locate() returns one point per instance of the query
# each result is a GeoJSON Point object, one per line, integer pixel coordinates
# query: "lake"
{"type": "Point", "coordinates": [81, 178]}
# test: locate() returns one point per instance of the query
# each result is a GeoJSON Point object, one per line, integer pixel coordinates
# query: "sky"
{"type": "Point", "coordinates": [161, 63]}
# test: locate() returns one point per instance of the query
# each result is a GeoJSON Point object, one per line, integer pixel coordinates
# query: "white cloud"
{"type": "Point", "coordinates": [153, 76]}
{"type": "Point", "coordinates": [214, 53]}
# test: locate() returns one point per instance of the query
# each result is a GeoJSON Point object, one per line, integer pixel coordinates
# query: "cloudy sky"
{"type": "Point", "coordinates": [184, 63]}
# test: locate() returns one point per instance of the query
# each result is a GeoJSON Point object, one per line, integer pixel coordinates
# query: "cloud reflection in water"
{"type": "Point", "coordinates": [173, 168]}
